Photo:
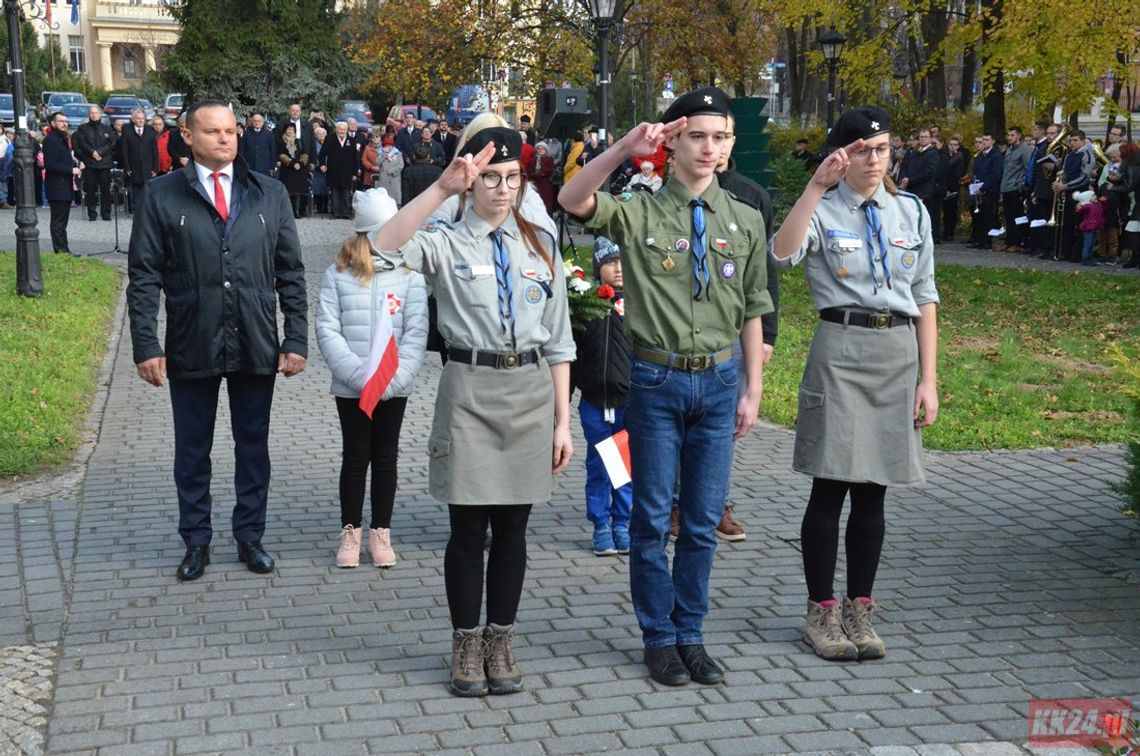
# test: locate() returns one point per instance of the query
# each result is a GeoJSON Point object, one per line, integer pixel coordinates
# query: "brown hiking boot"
{"type": "Point", "coordinates": [503, 673]}
{"type": "Point", "coordinates": [729, 529]}
{"type": "Point", "coordinates": [674, 523]}
{"type": "Point", "coordinates": [467, 677]}
{"type": "Point", "coordinates": [823, 631]}
{"type": "Point", "coordinates": [856, 620]}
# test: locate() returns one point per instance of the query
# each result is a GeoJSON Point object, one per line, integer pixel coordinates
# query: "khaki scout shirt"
{"type": "Point", "coordinates": [839, 258]}
{"type": "Point", "coordinates": [459, 263]}
{"type": "Point", "coordinates": [655, 234]}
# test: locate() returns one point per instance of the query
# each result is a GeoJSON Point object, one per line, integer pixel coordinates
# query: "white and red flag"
{"type": "Point", "coordinates": [614, 452]}
{"type": "Point", "coordinates": [383, 359]}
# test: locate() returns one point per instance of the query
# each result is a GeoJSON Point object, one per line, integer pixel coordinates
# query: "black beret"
{"type": "Point", "coordinates": [859, 123]}
{"type": "Point", "coordinates": [703, 101]}
{"type": "Point", "coordinates": [508, 143]}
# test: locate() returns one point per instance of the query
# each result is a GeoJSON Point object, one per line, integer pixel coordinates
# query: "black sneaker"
{"type": "Point", "coordinates": [665, 666]}
{"type": "Point", "coordinates": [702, 668]}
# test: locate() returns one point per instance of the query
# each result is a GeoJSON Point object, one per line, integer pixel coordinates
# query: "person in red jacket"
{"type": "Point", "coordinates": [164, 159]}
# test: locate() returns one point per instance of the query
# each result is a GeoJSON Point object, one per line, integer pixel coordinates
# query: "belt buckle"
{"type": "Point", "coordinates": [881, 320]}
{"type": "Point", "coordinates": [507, 361]}
{"type": "Point", "coordinates": [698, 363]}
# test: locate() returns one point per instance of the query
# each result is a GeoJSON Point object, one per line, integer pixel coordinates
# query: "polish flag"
{"type": "Point", "coordinates": [614, 452]}
{"type": "Point", "coordinates": [383, 359]}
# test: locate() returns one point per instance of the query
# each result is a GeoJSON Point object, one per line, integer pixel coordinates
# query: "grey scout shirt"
{"type": "Point", "coordinates": [655, 233]}
{"type": "Point", "coordinates": [1013, 169]}
{"type": "Point", "coordinates": [838, 256]}
{"type": "Point", "coordinates": [459, 263]}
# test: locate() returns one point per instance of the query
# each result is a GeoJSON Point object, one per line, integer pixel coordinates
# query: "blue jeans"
{"type": "Point", "coordinates": [603, 502]}
{"type": "Point", "coordinates": [682, 423]}
{"type": "Point", "coordinates": [1089, 243]}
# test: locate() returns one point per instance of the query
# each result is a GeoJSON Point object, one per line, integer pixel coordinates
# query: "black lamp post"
{"type": "Point", "coordinates": [831, 42]}
{"type": "Point", "coordinates": [29, 277]}
{"type": "Point", "coordinates": [602, 13]}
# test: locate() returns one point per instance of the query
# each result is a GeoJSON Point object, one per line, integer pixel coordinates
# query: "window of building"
{"type": "Point", "coordinates": [76, 56]}
{"type": "Point", "coordinates": [130, 65]}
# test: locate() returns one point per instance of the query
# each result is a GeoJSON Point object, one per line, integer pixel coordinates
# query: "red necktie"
{"type": "Point", "coordinates": [220, 197]}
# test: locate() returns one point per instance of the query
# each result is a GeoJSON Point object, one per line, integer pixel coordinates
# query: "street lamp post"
{"type": "Point", "coordinates": [831, 42]}
{"type": "Point", "coordinates": [602, 13]}
{"type": "Point", "coordinates": [29, 277]}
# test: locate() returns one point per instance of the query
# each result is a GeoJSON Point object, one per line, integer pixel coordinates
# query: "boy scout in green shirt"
{"type": "Point", "coordinates": [695, 276]}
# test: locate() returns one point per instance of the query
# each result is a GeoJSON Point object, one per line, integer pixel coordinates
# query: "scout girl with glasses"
{"type": "Point", "coordinates": [502, 414]}
{"type": "Point", "coordinates": [870, 383]}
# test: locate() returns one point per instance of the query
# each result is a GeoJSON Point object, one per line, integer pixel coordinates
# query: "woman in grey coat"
{"type": "Point", "coordinates": [353, 291]}
{"type": "Point", "coordinates": [391, 163]}
{"type": "Point", "coordinates": [870, 384]}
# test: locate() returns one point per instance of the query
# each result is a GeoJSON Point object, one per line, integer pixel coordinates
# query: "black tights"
{"type": "Point", "coordinates": [506, 564]}
{"type": "Point", "coordinates": [374, 443]}
{"type": "Point", "coordinates": [863, 540]}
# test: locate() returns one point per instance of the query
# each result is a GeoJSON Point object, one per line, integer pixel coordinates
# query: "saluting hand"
{"type": "Point", "coordinates": [464, 170]}
{"type": "Point", "coordinates": [834, 166]}
{"type": "Point", "coordinates": [644, 139]}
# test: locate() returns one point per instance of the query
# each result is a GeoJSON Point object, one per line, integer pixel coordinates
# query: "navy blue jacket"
{"type": "Point", "coordinates": [988, 169]}
{"type": "Point", "coordinates": [58, 164]}
{"type": "Point", "coordinates": [259, 150]}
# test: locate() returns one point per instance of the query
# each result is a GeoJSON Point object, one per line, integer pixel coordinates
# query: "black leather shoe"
{"type": "Point", "coordinates": [194, 563]}
{"type": "Point", "coordinates": [665, 666]}
{"type": "Point", "coordinates": [255, 558]}
{"type": "Point", "coordinates": [702, 668]}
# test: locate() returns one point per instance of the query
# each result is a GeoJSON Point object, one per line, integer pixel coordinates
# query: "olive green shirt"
{"type": "Point", "coordinates": [655, 234]}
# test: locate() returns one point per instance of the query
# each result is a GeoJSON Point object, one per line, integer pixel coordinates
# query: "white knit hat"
{"type": "Point", "coordinates": [373, 208]}
{"type": "Point", "coordinates": [1086, 196]}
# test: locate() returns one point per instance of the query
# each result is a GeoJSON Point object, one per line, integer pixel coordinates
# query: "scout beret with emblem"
{"type": "Point", "coordinates": [508, 144]}
{"type": "Point", "coordinates": [859, 123]}
{"type": "Point", "coordinates": [703, 101]}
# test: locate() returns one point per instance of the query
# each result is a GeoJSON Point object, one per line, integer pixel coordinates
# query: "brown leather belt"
{"type": "Point", "coordinates": [690, 363]}
{"type": "Point", "coordinates": [876, 320]}
{"type": "Point", "coordinates": [497, 360]}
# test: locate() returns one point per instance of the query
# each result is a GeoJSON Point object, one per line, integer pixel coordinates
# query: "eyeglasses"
{"type": "Point", "coordinates": [492, 180]}
{"type": "Point", "coordinates": [883, 151]}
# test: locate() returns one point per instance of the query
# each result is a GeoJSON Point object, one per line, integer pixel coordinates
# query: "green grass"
{"type": "Point", "coordinates": [1023, 357]}
{"type": "Point", "coordinates": [50, 351]}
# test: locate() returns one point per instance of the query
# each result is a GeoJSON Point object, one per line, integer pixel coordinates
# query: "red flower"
{"type": "Point", "coordinates": [579, 273]}
{"type": "Point", "coordinates": [605, 291]}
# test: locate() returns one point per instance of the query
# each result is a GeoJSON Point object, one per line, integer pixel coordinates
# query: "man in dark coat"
{"type": "Point", "coordinates": [179, 151]}
{"type": "Point", "coordinates": [259, 146]}
{"type": "Point", "coordinates": [987, 169]}
{"type": "Point", "coordinates": [304, 129]}
{"type": "Point", "coordinates": [418, 176]}
{"type": "Point", "coordinates": [59, 173]}
{"type": "Point", "coordinates": [341, 166]}
{"type": "Point", "coordinates": [94, 146]}
{"type": "Point", "coordinates": [140, 155]}
{"type": "Point", "coordinates": [407, 138]}
{"type": "Point", "coordinates": [447, 140]}
{"type": "Point", "coordinates": [220, 241]}
{"type": "Point", "coordinates": [920, 176]}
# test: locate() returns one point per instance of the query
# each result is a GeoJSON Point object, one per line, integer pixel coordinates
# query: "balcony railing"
{"type": "Point", "coordinates": [148, 12]}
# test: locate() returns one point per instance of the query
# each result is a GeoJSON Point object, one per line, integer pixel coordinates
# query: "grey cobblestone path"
{"type": "Point", "coordinates": [1009, 576]}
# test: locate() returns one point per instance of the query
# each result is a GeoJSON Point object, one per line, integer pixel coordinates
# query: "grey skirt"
{"type": "Point", "coordinates": [493, 435]}
{"type": "Point", "coordinates": [856, 407]}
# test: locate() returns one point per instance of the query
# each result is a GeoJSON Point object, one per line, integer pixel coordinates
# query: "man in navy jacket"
{"type": "Point", "coordinates": [259, 146]}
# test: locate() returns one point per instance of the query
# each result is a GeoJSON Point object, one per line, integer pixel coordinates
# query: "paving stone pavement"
{"type": "Point", "coordinates": [1009, 576]}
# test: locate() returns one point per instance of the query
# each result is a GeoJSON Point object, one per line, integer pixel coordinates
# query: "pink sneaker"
{"type": "Point", "coordinates": [348, 555]}
{"type": "Point", "coordinates": [380, 545]}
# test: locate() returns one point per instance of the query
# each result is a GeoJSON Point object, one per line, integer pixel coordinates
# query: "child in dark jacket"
{"type": "Point", "coordinates": [602, 373]}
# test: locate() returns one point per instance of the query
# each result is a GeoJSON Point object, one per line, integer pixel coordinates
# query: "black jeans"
{"type": "Point", "coordinates": [1014, 207]}
{"type": "Point", "coordinates": [506, 564]}
{"type": "Point", "coordinates": [195, 406]}
{"type": "Point", "coordinates": [374, 443]}
{"type": "Point", "coordinates": [819, 536]}
{"type": "Point", "coordinates": [60, 212]}
{"type": "Point", "coordinates": [949, 218]}
{"type": "Point", "coordinates": [98, 181]}
{"type": "Point", "coordinates": [340, 202]}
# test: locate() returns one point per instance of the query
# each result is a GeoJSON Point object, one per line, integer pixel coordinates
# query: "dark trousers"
{"type": "Point", "coordinates": [195, 406]}
{"type": "Point", "coordinates": [863, 539]}
{"type": "Point", "coordinates": [934, 210]}
{"type": "Point", "coordinates": [98, 181]}
{"type": "Point", "coordinates": [134, 197]}
{"type": "Point", "coordinates": [985, 219]}
{"type": "Point", "coordinates": [374, 443]}
{"type": "Point", "coordinates": [1040, 238]}
{"type": "Point", "coordinates": [949, 218]}
{"type": "Point", "coordinates": [1070, 237]}
{"type": "Point", "coordinates": [1014, 207]}
{"type": "Point", "coordinates": [506, 563]}
{"type": "Point", "coordinates": [340, 202]}
{"type": "Point", "coordinates": [60, 212]}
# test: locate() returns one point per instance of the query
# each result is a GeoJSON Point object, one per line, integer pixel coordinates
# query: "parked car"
{"type": "Point", "coordinates": [8, 114]}
{"type": "Point", "coordinates": [465, 103]}
{"type": "Point", "coordinates": [361, 116]}
{"type": "Point", "coordinates": [357, 106]}
{"type": "Point", "coordinates": [59, 99]}
{"type": "Point", "coordinates": [148, 109]}
{"type": "Point", "coordinates": [171, 109]}
{"type": "Point", "coordinates": [76, 113]}
{"type": "Point", "coordinates": [120, 106]}
{"type": "Point", "coordinates": [422, 112]}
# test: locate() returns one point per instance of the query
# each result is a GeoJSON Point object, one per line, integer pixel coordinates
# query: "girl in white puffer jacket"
{"type": "Point", "coordinates": [352, 291]}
